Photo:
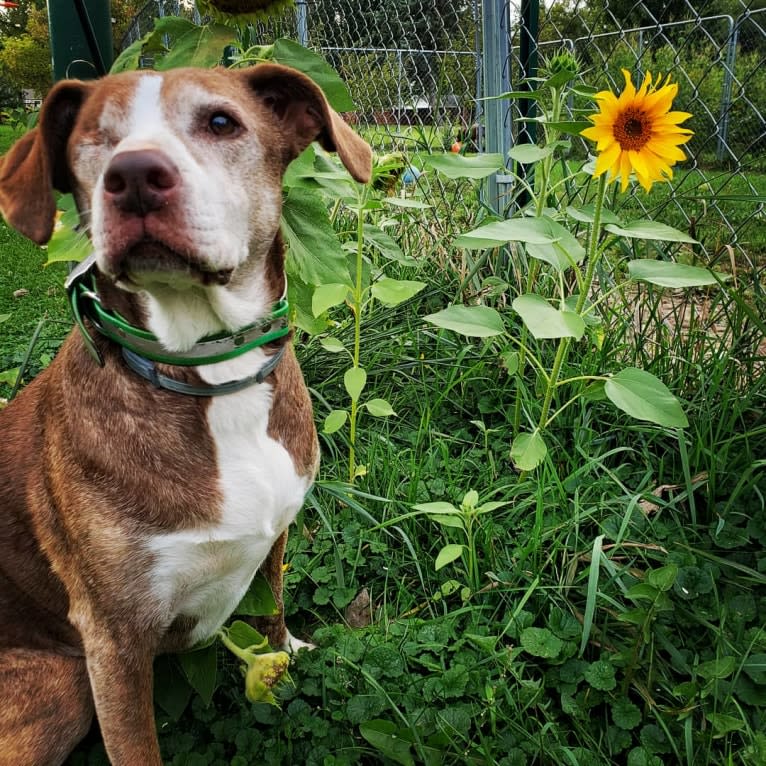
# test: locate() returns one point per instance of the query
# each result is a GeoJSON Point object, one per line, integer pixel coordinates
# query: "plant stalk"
{"type": "Point", "coordinates": [535, 265]}
{"type": "Point", "coordinates": [357, 309]}
{"type": "Point", "coordinates": [564, 343]}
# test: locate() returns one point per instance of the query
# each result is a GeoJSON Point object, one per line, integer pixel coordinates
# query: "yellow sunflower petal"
{"type": "Point", "coordinates": [625, 168]}
{"type": "Point", "coordinates": [637, 162]}
{"type": "Point", "coordinates": [607, 160]}
{"type": "Point", "coordinates": [645, 181]}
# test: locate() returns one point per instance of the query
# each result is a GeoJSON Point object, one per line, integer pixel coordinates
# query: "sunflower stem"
{"type": "Point", "coordinates": [534, 267]}
{"type": "Point", "coordinates": [593, 256]}
{"type": "Point", "coordinates": [357, 311]}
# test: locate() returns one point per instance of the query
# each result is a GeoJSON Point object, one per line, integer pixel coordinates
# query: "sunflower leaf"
{"type": "Point", "coordinates": [644, 397]}
{"type": "Point", "coordinates": [666, 274]}
{"type": "Point", "coordinates": [650, 230]}
{"type": "Point", "coordinates": [545, 321]}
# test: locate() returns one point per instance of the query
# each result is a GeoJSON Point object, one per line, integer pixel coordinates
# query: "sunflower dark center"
{"type": "Point", "coordinates": [632, 129]}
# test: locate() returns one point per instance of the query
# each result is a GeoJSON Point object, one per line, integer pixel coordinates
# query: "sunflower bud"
{"type": "Point", "coordinates": [564, 61]}
{"type": "Point", "coordinates": [242, 11]}
{"type": "Point", "coordinates": [263, 673]}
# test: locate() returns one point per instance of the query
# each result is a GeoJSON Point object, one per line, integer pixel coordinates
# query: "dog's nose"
{"type": "Point", "coordinates": [140, 181]}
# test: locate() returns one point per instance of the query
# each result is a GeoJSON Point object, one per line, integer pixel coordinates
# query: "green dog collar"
{"type": "Point", "coordinates": [85, 303]}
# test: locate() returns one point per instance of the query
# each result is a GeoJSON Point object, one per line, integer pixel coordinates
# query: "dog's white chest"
{"type": "Point", "coordinates": [203, 573]}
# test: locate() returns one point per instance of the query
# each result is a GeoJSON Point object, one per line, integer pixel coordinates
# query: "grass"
{"type": "Point", "coordinates": [29, 294]}
{"type": "Point", "coordinates": [610, 610]}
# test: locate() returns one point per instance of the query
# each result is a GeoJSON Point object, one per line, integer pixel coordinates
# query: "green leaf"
{"type": "Point", "coordinates": [171, 26]}
{"type": "Point", "coordinates": [319, 171]}
{"type": "Point", "coordinates": [473, 321]}
{"type": "Point", "coordinates": [438, 506]}
{"type": "Point", "coordinates": [200, 47]}
{"type": "Point", "coordinates": [300, 296]}
{"type": "Point", "coordinates": [129, 58]}
{"type": "Point", "coordinates": [355, 379]}
{"type": "Point", "coordinates": [642, 591]}
{"type": "Point", "coordinates": [625, 714]}
{"type": "Point", "coordinates": [650, 230]}
{"type": "Point", "coordinates": [724, 724]}
{"type": "Point", "coordinates": [530, 95]}
{"type": "Point", "coordinates": [562, 251]}
{"type": "Point", "coordinates": [636, 616]}
{"type": "Point", "coordinates": [172, 691]}
{"type": "Point", "coordinates": [544, 321]}
{"type": "Point", "coordinates": [588, 91]}
{"type": "Point", "coordinates": [755, 667]}
{"type": "Point", "coordinates": [474, 166]}
{"type": "Point", "coordinates": [562, 77]}
{"type": "Point", "coordinates": [528, 153]}
{"type": "Point", "coordinates": [386, 245]}
{"type": "Point", "coordinates": [9, 376]}
{"type": "Point", "coordinates": [586, 213]}
{"type": "Point", "coordinates": [529, 230]}
{"type": "Point", "coordinates": [245, 636]}
{"type": "Point", "coordinates": [570, 127]}
{"type": "Point", "coordinates": [314, 251]}
{"type": "Point", "coordinates": [666, 274]}
{"type": "Point", "coordinates": [600, 675]}
{"type": "Point", "coordinates": [663, 577]}
{"type": "Point", "coordinates": [722, 667]}
{"type": "Point", "coordinates": [326, 296]}
{"type": "Point", "coordinates": [528, 451]}
{"type": "Point", "coordinates": [290, 53]}
{"type": "Point", "coordinates": [68, 244]}
{"type": "Point", "coordinates": [201, 669]}
{"type": "Point", "coordinates": [486, 644]}
{"type": "Point", "coordinates": [379, 408]}
{"type": "Point", "coordinates": [452, 520]}
{"type": "Point", "coordinates": [645, 397]}
{"type": "Point", "coordinates": [589, 316]}
{"type": "Point", "coordinates": [334, 421]}
{"type": "Point", "coordinates": [407, 202]}
{"type": "Point", "coordinates": [333, 345]}
{"type": "Point", "coordinates": [492, 505]}
{"type": "Point", "coordinates": [384, 737]}
{"type": "Point", "coordinates": [392, 292]}
{"type": "Point", "coordinates": [541, 642]}
{"type": "Point", "coordinates": [470, 500]}
{"type": "Point", "coordinates": [510, 360]}
{"type": "Point", "coordinates": [259, 600]}
{"type": "Point", "coordinates": [448, 554]}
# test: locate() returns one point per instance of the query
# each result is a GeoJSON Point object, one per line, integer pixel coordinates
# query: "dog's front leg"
{"type": "Point", "coordinates": [122, 683]}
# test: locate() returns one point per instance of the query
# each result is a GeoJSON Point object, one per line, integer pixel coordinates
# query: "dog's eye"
{"type": "Point", "coordinates": [222, 125]}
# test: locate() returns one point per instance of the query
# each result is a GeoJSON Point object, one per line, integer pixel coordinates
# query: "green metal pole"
{"type": "Point", "coordinates": [530, 23]}
{"type": "Point", "coordinates": [81, 38]}
{"type": "Point", "coordinates": [497, 112]}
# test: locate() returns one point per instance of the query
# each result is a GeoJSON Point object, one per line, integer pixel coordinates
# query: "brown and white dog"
{"type": "Point", "coordinates": [133, 518]}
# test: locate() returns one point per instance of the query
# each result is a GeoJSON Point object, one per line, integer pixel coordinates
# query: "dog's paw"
{"type": "Point", "coordinates": [294, 645]}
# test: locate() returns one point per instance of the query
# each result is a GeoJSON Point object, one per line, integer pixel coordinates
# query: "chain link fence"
{"type": "Point", "coordinates": [420, 72]}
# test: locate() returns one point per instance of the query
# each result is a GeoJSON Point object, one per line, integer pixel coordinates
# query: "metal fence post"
{"type": "Point", "coordinates": [497, 112]}
{"type": "Point", "coordinates": [81, 38]}
{"type": "Point", "coordinates": [302, 22]}
{"type": "Point", "coordinates": [728, 78]}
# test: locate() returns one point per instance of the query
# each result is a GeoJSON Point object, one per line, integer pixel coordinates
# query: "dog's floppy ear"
{"type": "Point", "coordinates": [303, 110]}
{"type": "Point", "coordinates": [36, 165]}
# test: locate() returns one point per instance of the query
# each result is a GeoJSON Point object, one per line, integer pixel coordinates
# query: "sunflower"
{"type": "Point", "coordinates": [242, 11]}
{"type": "Point", "coordinates": [637, 131]}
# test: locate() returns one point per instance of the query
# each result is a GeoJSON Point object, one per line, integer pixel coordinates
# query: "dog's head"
{"type": "Point", "coordinates": [177, 174]}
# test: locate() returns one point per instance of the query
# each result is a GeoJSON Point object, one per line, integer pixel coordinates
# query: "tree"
{"type": "Point", "coordinates": [13, 21]}
{"type": "Point", "coordinates": [25, 58]}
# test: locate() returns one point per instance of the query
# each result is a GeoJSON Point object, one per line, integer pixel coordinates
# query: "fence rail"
{"type": "Point", "coordinates": [421, 75]}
